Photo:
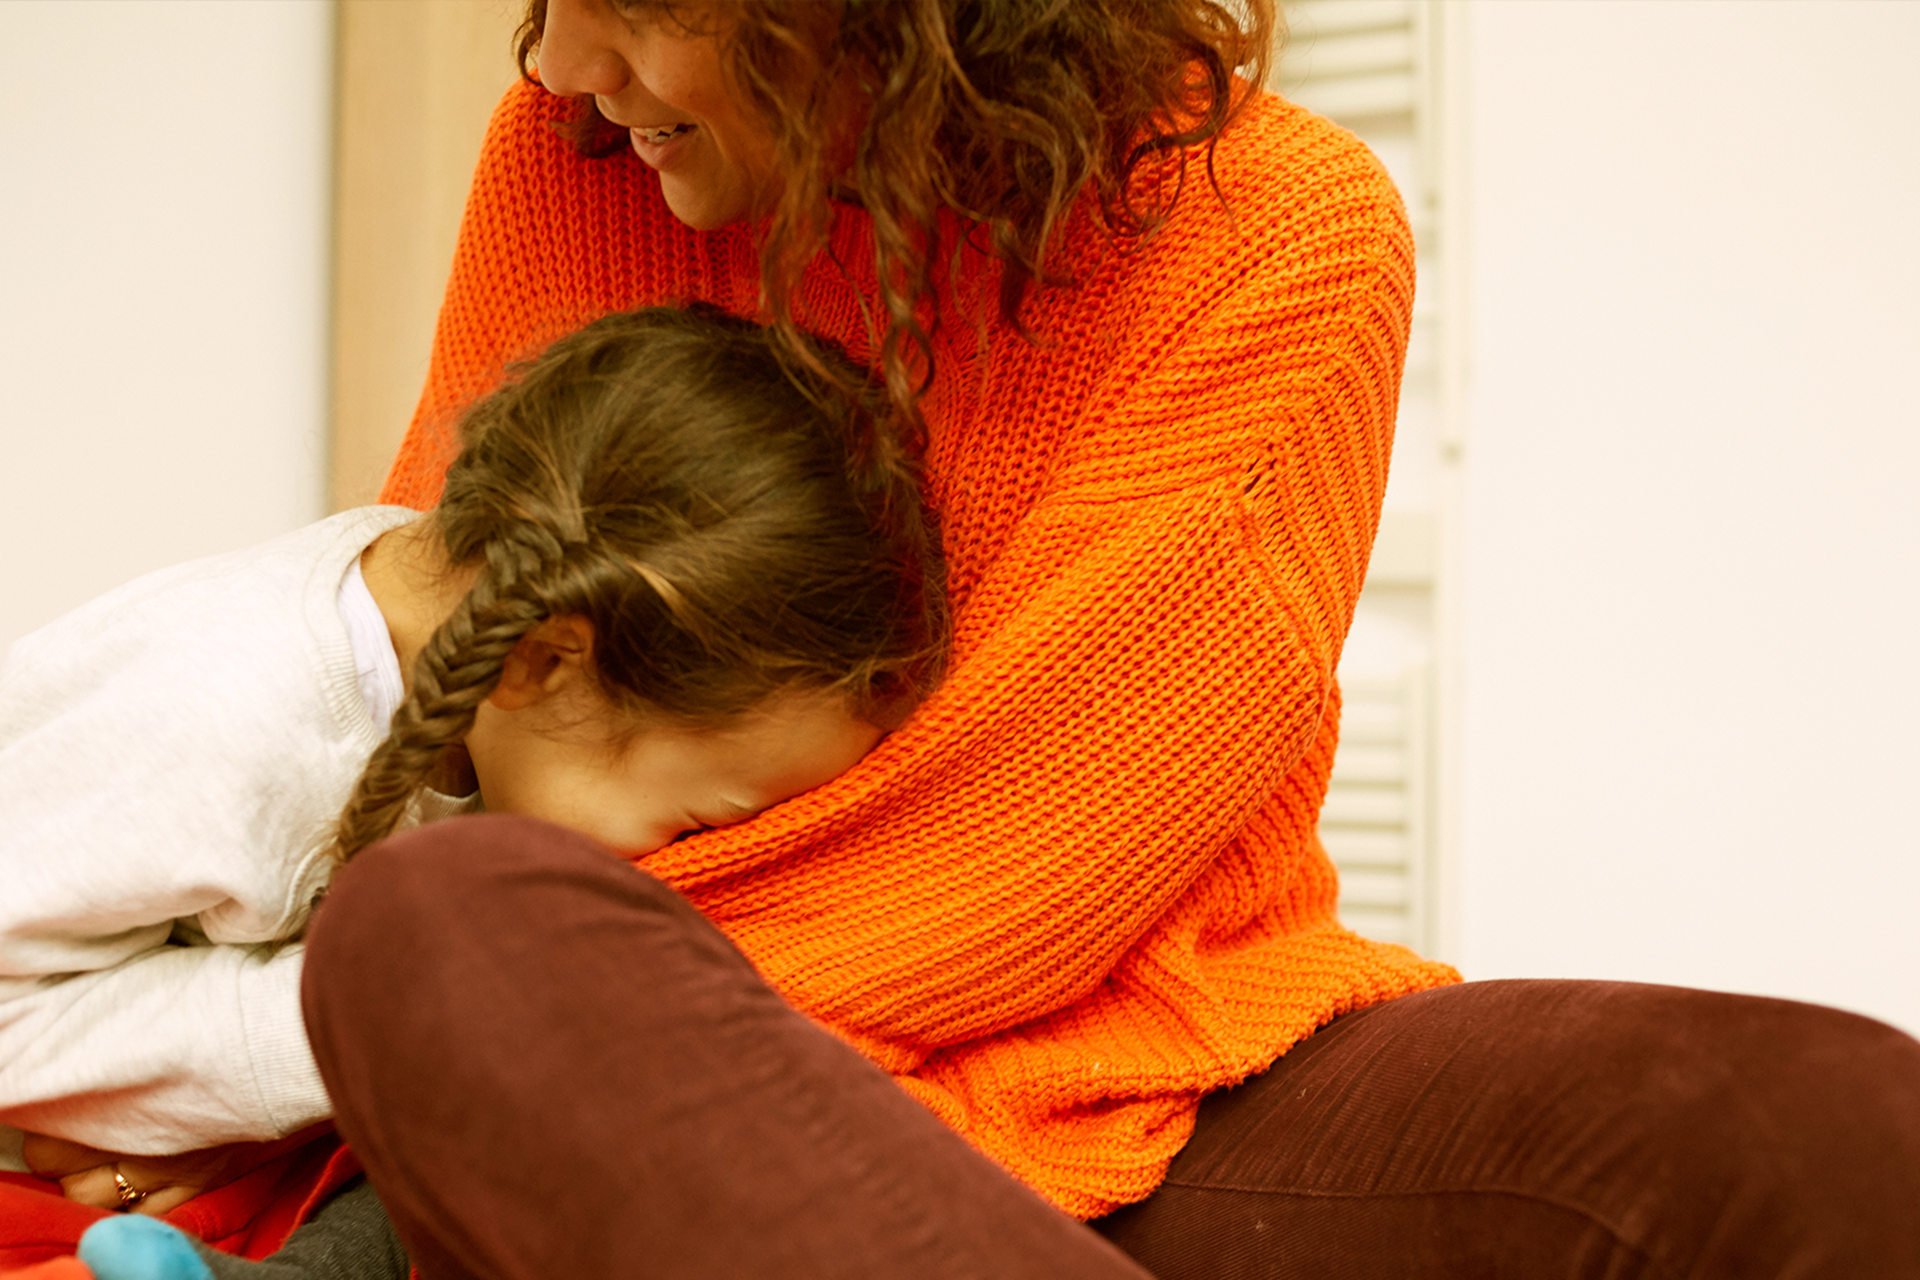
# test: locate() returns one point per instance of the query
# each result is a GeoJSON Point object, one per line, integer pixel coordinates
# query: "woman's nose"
{"type": "Point", "coordinates": [578, 51]}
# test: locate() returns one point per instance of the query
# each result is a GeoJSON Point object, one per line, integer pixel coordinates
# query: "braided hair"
{"type": "Point", "coordinates": [731, 526]}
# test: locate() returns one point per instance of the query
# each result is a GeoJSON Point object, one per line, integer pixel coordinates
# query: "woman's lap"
{"type": "Point", "coordinates": [551, 1065]}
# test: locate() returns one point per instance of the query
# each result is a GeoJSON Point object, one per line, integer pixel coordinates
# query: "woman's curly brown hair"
{"type": "Point", "coordinates": [1001, 111]}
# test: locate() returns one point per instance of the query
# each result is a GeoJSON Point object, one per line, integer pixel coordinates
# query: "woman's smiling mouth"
{"type": "Point", "coordinates": [660, 133]}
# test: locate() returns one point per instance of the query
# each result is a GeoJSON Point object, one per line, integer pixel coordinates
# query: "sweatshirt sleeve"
{"type": "Point", "coordinates": [173, 1049]}
{"type": "Point", "coordinates": [172, 756]}
{"type": "Point", "coordinates": [1138, 671]}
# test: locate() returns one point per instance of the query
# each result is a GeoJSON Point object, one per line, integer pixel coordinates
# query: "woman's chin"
{"type": "Point", "coordinates": [700, 209]}
{"type": "Point", "coordinates": [707, 205]}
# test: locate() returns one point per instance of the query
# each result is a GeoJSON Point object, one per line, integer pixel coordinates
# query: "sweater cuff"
{"type": "Point", "coordinates": [291, 1093]}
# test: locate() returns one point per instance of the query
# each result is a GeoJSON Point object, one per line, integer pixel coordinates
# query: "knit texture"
{"type": "Point", "coordinates": [1081, 887]}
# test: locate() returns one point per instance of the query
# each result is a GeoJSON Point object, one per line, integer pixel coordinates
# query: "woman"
{"type": "Point", "coordinates": [1153, 323]}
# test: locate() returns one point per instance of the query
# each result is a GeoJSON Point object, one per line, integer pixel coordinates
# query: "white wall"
{"type": "Point", "coordinates": [1691, 566]}
{"type": "Point", "coordinates": [163, 286]}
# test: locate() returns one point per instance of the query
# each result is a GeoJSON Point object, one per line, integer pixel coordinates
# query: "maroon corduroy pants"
{"type": "Point", "coordinates": [553, 1067]}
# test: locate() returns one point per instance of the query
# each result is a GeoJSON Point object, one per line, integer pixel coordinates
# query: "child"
{"type": "Point", "coordinates": [671, 582]}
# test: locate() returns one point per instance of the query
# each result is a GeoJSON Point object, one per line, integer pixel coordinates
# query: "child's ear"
{"type": "Point", "coordinates": [547, 659]}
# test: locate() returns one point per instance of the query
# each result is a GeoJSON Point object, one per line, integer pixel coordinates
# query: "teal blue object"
{"type": "Point", "coordinates": [132, 1247]}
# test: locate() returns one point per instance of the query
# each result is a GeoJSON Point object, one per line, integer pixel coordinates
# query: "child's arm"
{"type": "Point", "coordinates": [172, 1049]}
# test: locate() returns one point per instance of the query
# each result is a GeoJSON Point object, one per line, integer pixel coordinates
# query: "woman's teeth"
{"type": "Point", "coordinates": [662, 134]}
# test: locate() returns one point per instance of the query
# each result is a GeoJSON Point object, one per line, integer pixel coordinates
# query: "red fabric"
{"type": "Point", "coordinates": [58, 1269]}
{"type": "Point", "coordinates": [251, 1216]}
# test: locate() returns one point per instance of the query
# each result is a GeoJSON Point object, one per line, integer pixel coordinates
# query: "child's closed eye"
{"type": "Point", "coordinates": [724, 813]}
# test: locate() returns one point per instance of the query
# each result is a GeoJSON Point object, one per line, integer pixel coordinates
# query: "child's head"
{"type": "Point", "coordinates": [717, 545]}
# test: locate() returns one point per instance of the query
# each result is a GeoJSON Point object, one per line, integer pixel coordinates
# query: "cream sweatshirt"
{"type": "Point", "coordinates": [172, 757]}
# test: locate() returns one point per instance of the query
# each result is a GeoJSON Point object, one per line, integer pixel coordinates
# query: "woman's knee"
{"type": "Point", "coordinates": [474, 924]}
{"type": "Point", "coordinates": [468, 881]}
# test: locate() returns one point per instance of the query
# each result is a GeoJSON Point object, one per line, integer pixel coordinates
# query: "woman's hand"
{"type": "Point", "coordinates": [158, 1184]}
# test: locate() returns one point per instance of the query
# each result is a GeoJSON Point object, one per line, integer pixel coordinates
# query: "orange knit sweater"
{"type": "Point", "coordinates": [1081, 887]}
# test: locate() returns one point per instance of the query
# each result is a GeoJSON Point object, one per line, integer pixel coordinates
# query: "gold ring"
{"type": "Point", "coordinates": [124, 1189]}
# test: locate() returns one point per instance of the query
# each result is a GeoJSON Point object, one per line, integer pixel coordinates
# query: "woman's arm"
{"type": "Point", "coordinates": [1141, 666]}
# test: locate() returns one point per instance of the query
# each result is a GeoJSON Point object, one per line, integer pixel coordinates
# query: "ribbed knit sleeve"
{"type": "Point", "coordinates": [1081, 887]}
{"type": "Point", "coordinates": [549, 241]}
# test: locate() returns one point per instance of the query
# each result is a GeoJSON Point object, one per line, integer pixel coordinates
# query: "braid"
{"type": "Point", "coordinates": [453, 675]}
